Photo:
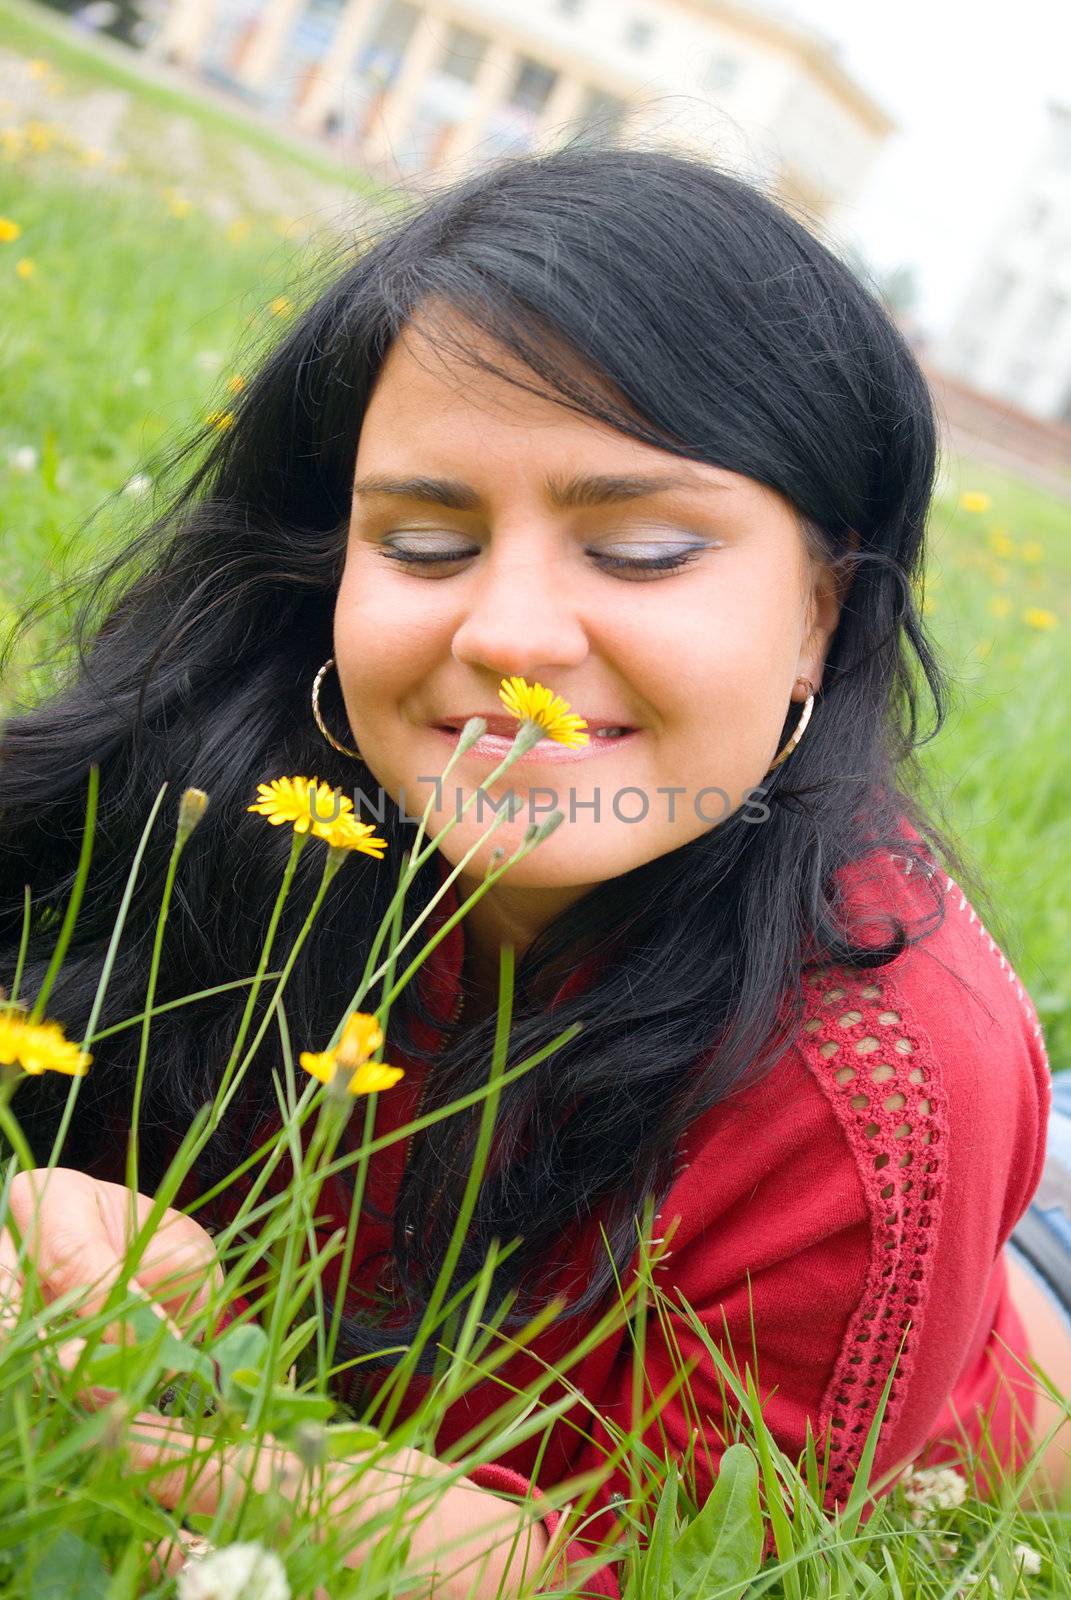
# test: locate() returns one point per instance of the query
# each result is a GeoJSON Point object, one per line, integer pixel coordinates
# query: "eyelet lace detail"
{"type": "Point", "coordinates": [877, 1072]}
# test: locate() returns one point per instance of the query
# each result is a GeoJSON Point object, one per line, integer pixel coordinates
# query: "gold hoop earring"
{"type": "Point", "coordinates": [316, 682]}
{"type": "Point", "coordinates": [800, 727]}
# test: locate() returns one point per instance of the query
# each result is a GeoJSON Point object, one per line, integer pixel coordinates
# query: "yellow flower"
{"type": "Point", "coordinates": [280, 306]}
{"type": "Point", "coordinates": [361, 1037]}
{"type": "Point", "coordinates": [1031, 550]}
{"type": "Point", "coordinates": [91, 156]}
{"type": "Point", "coordinates": [221, 420]}
{"type": "Point", "coordinates": [1038, 617]}
{"type": "Point", "coordinates": [12, 142]}
{"type": "Point", "coordinates": [974, 500]}
{"type": "Point", "coordinates": [533, 703]}
{"type": "Point", "coordinates": [294, 800]}
{"type": "Point", "coordinates": [9, 230]}
{"type": "Point", "coordinates": [309, 806]}
{"type": "Point", "coordinates": [237, 230]}
{"type": "Point", "coordinates": [346, 833]}
{"type": "Point", "coordinates": [1000, 544]}
{"type": "Point", "coordinates": [236, 384]}
{"type": "Point", "coordinates": [39, 67]}
{"type": "Point", "coordinates": [1000, 606]}
{"type": "Point", "coordinates": [26, 267]}
{"type": "Point", "coordinates": [39, 1047]}
{"type": "Point", "coordinates": [41, 135]}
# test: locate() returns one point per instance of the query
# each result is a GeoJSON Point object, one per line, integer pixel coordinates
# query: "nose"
{"type": "Point", "coordinates": [520, 618]}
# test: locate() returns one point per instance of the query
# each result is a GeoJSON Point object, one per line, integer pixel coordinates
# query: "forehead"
{"type": "Point", "coordinates": [440, 361]}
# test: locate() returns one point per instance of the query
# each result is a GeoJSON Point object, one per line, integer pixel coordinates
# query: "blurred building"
{"type": "Point", "coordinates": [1011, 337]}
{"type": "Point", "coordinates": [411, 89]}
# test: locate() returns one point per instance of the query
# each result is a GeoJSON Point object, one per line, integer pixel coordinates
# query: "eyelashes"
{"type": "Point", "coordinates": [673, 561]}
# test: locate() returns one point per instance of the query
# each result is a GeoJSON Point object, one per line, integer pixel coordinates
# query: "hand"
{"type": "Point", "coordinates": [464, 1542]}
{"type": "Point", "coordinates": [78, 1230]}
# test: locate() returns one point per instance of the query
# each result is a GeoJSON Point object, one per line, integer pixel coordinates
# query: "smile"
{"type": "Point", "coordinates": [494, 747]}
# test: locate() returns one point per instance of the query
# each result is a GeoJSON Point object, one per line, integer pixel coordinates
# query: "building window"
{"type": "Point", "coordinates": [600, 118]}
{"type": "Point", "coordinates": [638, 34]}
{"type": "Point", "coordinates": [381, 58]}
{"type": "Point", "coordinates": [721, 74]}
{"type": "Point", "coordinates": [464, 53]}
{"type": "Point", "coordinates": [532, 85]}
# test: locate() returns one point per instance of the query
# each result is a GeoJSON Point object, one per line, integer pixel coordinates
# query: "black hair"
{"type": "Point", "coordinates": [680, 305]}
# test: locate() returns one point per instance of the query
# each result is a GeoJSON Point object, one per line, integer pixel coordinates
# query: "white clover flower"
{"type": "Point", "coordinates": [929, 1489]}
{"type": "Point", "coordinates": [1028, 1558]}
{"type": "Point", "coordinates": [23, 459]}
{"type": "Point", "coordinates": [139, 484]}
{"type": "Point", "coordinates": [237, 1572]}
{"type": "Point", "coordinates": [970, 1582]}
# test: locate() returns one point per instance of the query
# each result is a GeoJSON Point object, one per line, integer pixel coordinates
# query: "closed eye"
{"type": "Point", "coordinates": [668, 561]}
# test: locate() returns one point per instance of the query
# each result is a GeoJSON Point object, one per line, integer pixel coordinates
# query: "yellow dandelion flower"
{"type": "Point", "coordinates": [1038, 617]}
{"type": "Point", "coordinates": [9, 230]}
{"type": "Point", "coordinates": [237, 230]}
{"type": "Point", "coordinates": [361, 1036]}
{"type": "Point", "coordinates": [236, 384]}
{"type": "Point", "coordinates": [1000, 544]}
{"type": "Point", "coordinates": [26, 267]}
{"type": "Point", "coordinates": [280, 306]}
{"type": "Point", "coordinates": [533, 703]}
{"type": "Point", "coordinates": [220, 420]}
{"type": "Point", "coordinates": [1000, 606]}
{"type": "Point", "coordinates": [303, 802]}
{"type": "Point", "coordinates": [41, 136]}
{"type": "Point", "coordinates": [1031, 550]}
{"type": "Point", "coordinates": [346, 833]}
{"type": "Point", "coordinates": [179, 206]}
{"type": "Point", "coordinates": [91, 156]}
{"type": "Point", "coordinates": [38, 67]}
{"type": "Point", "coordinates": [12, 142]}
{"type": "Point", "coordinates": [39, 1047]}
{"type": "Point", "coordinates": [974, 500]}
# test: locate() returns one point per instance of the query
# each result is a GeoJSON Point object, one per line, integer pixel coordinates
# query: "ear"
{"type": "Point", "coordinates": [828, 593]}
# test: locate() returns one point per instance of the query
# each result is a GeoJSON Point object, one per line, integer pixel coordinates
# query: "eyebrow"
{"type": "Point", "coordinates": [562, 494]}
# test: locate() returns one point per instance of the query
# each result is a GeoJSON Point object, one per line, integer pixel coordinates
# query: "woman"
{"type": "Point", "coordinates": [611, 421]}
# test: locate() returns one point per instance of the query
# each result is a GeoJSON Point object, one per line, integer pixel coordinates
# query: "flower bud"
{"type": "Point", "coordinates": [192, 806]}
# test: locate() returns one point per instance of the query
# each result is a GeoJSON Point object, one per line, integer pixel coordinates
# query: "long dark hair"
{"type": "Point", "coordinates": [707, 322]}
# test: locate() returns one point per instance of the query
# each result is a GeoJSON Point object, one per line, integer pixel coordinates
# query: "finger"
{"type": "Point", "coordinates": [10, 1285]}
{"type": "Point", "coordinates": [79, 1230]}
{"type": "Point", "coordinates": [168, 1557]}
{"type": "Point", "coordinates": [180, 1266]}
{"type": "Point", "coordinates": [195, 1472]}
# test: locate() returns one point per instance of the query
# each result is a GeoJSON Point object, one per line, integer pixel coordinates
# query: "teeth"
{"type": "Point", "coordinates": [610, 733]}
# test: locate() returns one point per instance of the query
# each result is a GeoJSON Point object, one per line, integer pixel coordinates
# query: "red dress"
{"type": "Point", "coordinates": [862, 1192]}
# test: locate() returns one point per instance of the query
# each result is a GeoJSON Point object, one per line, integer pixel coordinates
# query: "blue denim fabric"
{"type": "Point", "coordinates": [1041, 1241]}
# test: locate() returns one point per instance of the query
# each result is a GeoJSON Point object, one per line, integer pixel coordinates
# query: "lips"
{"type": "Point", "coordinates": [507, 727]}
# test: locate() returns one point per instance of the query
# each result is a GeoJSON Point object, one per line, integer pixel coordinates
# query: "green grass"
{"type": "Point", "coordinates": [141, 307]}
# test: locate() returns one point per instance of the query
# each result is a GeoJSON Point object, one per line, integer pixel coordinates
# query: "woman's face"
{"type": "Point", "coordinates": [523, 514]}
